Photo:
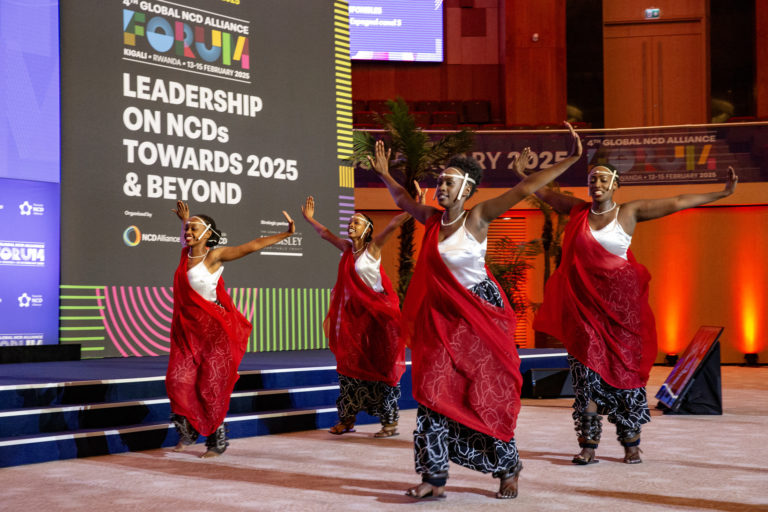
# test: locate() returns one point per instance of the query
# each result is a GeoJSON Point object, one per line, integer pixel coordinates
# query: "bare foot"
{"type": "Point", "coordinates": [425, 490]}
{"type": "Point", "coordinates": [508, 485]}
{"type": "Point", "coordinates": [179, 447]}
{"type": "Point", "coordinates": [209, 454]}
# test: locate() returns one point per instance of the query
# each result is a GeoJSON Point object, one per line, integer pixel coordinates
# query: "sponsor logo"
{"type": "Point", "coordinates": [26, 300]}
{"type": "Point", "coordinates": [132, 236]}
{"type": "Point", "coordinates": [27, 208]}
{"type": "Point", "coordinates": [22, 254]}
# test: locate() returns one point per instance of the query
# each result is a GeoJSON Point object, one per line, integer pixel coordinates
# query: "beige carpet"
{"type": "Point", "coordinates": [691, 463]}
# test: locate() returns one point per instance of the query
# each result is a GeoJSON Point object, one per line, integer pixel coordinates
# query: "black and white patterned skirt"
{"type": "Point", "coordinates": [625, 408]}
{"type": "Point", "coordinates": [376, 398]}
{"type": "Point", "coordinates": [439, 439]}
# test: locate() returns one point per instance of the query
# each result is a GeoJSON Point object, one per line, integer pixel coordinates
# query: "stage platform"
{"type": "Point", "coordinates": [68, 409]}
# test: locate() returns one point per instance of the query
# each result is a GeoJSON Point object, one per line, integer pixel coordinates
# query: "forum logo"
{"type": "Point", "coordinates": [208, 38]}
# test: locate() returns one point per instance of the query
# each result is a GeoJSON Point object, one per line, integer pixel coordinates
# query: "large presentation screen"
{"type": "Point", "coordinates": [230, 106]}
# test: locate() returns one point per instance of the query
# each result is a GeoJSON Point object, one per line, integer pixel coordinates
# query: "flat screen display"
{"type": "Point", "coordinates": [396, 30]}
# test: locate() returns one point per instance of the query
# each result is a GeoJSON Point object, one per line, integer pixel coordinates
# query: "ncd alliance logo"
{"type": "Point", "coordinates": [26, 208]}
{"type": "Point", "coordinates": [26, 300]}
{"type": "Point", "coordinates": [132, 236]}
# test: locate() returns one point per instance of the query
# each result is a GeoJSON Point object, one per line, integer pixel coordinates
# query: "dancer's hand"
{"type": "Point", "coordinates": [181, 211]}
{"type": "Point", "coordinates": [521, 162]}
{"type": "Point", "coordinates": [308, 208]}
{"type": "Point", "coordinates": [576, 149]}
{"type": "Point", "coordinates": [291, 226]}
{"type": "Point", "coordinates": [731, 181]}
{"type": "Point", "coordinates": [381, 164]}
{"type": "Point", "coordinates": [421, 195]}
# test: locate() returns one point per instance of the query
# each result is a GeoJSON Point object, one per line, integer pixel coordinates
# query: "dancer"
{"type": "Point", "coordinates": [209, 335]}
{"type": "Point", "coordinates": [363, 325]}
{"type": "Point", "coordinates": [466, 371]}
{"type": "Point", "coordinates": [596, 303]}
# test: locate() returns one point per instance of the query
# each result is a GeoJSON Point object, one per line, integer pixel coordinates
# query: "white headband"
{"type": "Point", "coordinates": [463, 177]}
{"type": "Point", "coordinates": [598, 169]}
{"type": "Point", "coordinates": [361, 217]}
{"type": "Point", "coordinates": [207, 227]}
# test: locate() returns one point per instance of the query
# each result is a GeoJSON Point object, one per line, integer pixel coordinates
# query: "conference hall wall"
{"type": "Point", "coordinates": [241, 109]}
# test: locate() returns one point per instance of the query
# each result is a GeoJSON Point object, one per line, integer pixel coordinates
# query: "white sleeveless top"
{"type": "Point", "coordinates": [613, 238]}
{"type": "Point", "coordinates": [369, 270]}
{"type": "Point", "coordinates": [203, 282]}
{"type": "Point", "coordinates": [464, 256]}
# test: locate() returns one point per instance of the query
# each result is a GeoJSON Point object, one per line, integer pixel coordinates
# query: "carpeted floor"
{"type": "Point", "coordinates": [717, 463]}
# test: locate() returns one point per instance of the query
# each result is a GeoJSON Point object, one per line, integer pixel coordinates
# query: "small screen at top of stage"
{"type": "Point", "coordinates": [397, 30]}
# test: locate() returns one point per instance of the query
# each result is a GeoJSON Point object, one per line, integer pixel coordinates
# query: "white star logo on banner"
{"type": "Point", "coordinates": [24, 300]}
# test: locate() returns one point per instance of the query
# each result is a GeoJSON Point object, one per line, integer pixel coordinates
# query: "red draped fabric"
{"type": "Point", "coordinates": [465, 363]}
{"type": "Point", "coordinates": [596, 303]}
{"type": "Point", "coordinates": [364, 327]}
{"type": "Point", "coordinates": [207, 344]}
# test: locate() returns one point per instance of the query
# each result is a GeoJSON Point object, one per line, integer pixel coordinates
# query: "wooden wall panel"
{"type": "Point", "coordinates": [628, 85]}
{"type": "Point", "coordinates": [634, 10]}
{"type": "Point", "coordinates": [533, 61]}
{"type": "Point", "coordinates": [656, 72]}
{"type": "Point", "coordinates": [761, 56]}
{"type": "Point", "coordinates": [681, 79]}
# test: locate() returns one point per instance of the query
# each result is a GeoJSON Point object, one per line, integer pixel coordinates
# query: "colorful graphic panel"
{"type": "Point", "coordinates": [239, 108]}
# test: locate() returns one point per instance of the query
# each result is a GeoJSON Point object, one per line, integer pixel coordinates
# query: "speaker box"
{"type": "Point", "coordinates": [547, 383]}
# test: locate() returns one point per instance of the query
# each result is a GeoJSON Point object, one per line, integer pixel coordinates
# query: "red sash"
{"type": "Point", "coordinates": [364, 327]}
{"type": "Point", "coordinates": [596, 303]}
{"type": "Point", "coordinates": [207, 344]}
{"type": "Point", "coordinates": [465, 363]}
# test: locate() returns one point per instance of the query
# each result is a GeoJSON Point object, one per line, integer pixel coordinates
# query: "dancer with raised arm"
{"type": "Point", "coordinates": [363, 324]}
{"type": "Point", "coordinates": [209, 335]}
{"type": "Point", "coordinates": [466, 371]}
{"type": "Point", "coordinates": [596, 303]}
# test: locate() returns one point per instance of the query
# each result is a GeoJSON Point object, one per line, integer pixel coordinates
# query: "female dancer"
{"type": "Point", "coordinates": [363, 325]}
{"type": "Point", "coordinates": [208, 334]}
{"type": "Point", "coordinates": [466, 371]}
{"type": "Point", "coordinates": [596, 303]}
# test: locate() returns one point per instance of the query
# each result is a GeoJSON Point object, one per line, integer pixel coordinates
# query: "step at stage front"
{"type": "Point", "coordinates": [68, 409]}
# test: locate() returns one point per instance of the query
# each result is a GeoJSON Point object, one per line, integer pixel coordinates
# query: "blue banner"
{"type": "Point", "coordinates": [29, 262]}
{"type": "Point", "coordinates": [643, 156]}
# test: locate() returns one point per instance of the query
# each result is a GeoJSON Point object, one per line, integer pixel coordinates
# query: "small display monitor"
{"type": "Point", "coordinates": [396, 30]}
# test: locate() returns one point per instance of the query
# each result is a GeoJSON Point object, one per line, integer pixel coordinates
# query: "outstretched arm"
{"type": "Point", "coordinates": [182, 212]}
{"type": "Point", "coordinates": [308, 211]}
{"type": "Point", "coordinates": [232, 253]}
{"type": "Point", "coordinates": [649, 209]}
{"type": "Point", "coordinates": [374, 248]}
{"type": "Point", "coordinates": [561, 203]}
{"type": "Point", "coordinates": [489, 210]}
{"type": "Point", "coordinates": [420, 212]}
